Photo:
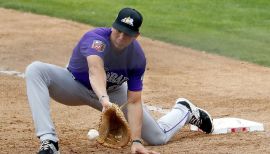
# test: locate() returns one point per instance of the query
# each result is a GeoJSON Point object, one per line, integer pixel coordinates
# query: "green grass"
{"type": "Point", "coordinates": [234, 28]}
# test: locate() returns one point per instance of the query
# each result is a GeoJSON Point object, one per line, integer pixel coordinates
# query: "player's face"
{"type": "Point", "coordinates": [120, 40]}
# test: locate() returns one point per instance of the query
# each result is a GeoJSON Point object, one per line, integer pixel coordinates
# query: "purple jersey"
{"type": "Point", "coordinates": [127, 66]}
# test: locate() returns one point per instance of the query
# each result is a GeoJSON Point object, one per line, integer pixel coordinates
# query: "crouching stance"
{"type": "Point", "coordinates": [107, 65]}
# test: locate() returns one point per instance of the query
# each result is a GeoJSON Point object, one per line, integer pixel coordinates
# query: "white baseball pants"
{"type": "Point", "coordinates": [45, 81]}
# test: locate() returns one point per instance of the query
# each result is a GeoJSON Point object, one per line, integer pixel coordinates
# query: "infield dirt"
{"type": "Point", "coordinates": [223, 86]}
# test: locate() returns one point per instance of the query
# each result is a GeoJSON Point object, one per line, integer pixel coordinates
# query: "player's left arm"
{"type": "Point", "coordinates": [135, 120]}
{"type": "Point", "coordinates": [134, 107]}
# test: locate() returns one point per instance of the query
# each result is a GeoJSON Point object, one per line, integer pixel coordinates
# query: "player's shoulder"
{"type": "Point", "coordinates": [100, 33]}
{"type": "Point", "coordinates": [96, 37]}
{"type": "Point", "coordinates": [137, 49]}
{"type": "Point", "coordinates": [136, 55]}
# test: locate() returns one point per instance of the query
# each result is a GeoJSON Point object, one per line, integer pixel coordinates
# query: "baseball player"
{"type": "Point", "coordinates": [107, 65]}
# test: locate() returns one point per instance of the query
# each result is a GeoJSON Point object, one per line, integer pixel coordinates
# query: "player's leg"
{"type": "Point", "coordinates": [154, 133]}
{"type": "Point", "coordinates": [183, 112]}
{"type": "Point", "coordinates": [161, 131]}
{"type": "Point", "coordinates": [45, 80]}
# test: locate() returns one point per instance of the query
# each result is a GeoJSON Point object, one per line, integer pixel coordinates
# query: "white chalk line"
{"type": "Point", "coordinates": [157, 109]}
{"type": "Point", "coordinates": [22, 75]}
{"type": "Point", "coordinates": [12, 73]}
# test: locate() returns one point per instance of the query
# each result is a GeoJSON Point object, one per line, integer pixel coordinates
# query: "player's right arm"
{"type": "Point", "coordinates": [97, 77]}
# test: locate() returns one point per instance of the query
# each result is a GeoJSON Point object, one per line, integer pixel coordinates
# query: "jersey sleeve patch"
{"type": "Point", "coordinates": [98, 45]}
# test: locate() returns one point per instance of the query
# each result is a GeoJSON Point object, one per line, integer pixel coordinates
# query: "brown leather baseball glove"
{"type": "Point", "coordinates": [114, 131]}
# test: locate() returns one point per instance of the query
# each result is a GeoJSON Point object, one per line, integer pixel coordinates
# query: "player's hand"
{"type": "Point", "coordinates": [106, 104]}
{"type": "Point", "coordinates": [138, 148]}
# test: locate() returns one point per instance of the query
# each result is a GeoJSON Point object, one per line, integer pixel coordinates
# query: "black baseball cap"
{"type": "Point", "coordinates": [128, 21]}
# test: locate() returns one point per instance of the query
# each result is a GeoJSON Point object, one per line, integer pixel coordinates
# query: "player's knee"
{"type": "Point", "coordinates": [159, 142]}
{"type": "Point", "coordinates": [159, 139]}
{"type": "Point", "coordinates": [33, 68]}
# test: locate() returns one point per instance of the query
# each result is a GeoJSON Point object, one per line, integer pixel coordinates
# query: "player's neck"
{"type": "Point", "coordinates": [117, 50]}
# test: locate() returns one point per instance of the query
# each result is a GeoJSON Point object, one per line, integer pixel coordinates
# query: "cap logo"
{"type": "Point", "coordinates": [128, 21]}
